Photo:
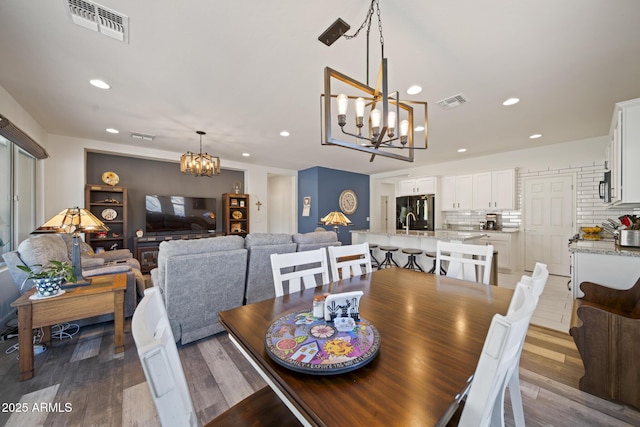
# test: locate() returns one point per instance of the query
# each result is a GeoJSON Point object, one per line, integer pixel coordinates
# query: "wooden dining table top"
{"type": "Point", "coordinates": [432, 331]}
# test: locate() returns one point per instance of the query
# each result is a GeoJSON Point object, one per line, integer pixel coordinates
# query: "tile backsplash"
{"type": "Point", "coordinates": [590, 210]}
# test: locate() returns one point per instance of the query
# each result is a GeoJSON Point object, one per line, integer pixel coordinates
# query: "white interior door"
{"type": "Point", "coordinates": [548, 222]}
{"type": "Point", "coordinates": [384, 213]}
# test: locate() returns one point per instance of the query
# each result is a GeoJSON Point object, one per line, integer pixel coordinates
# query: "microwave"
{"type": "Point", "coordinates": [604, 189]}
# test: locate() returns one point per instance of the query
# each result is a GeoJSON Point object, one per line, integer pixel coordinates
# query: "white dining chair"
{"type": "Point", "coordinates": [536, 283]}
{"type": "Point", "coordinates": [349, 260]}
{"type": "Point", "coordinates": [538, 279]}
{"type": "Point", "coordinates": [167, 383]}
{"type": "Point", "coordinates": [160, 361]}
{"type": "Point", "coordinates": [499, 359]}
{"type": "Point", "coordinates": [463, 259]}
{"type": "Point", "coordinates": [299, 267]}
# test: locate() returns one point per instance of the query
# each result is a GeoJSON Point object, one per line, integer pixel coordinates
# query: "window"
{"type": "Point", "coordinates": [17, 195]}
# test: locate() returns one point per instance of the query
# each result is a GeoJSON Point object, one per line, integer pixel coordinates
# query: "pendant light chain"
{"type": "Point", "coordinates": [367, 23]}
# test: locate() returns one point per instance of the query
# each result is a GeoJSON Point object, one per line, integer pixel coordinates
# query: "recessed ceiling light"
{"type": "Point", "coordinates": [535, 136]}
{"type": "Point", "coordinates": [245, 154]}
{"type": "Point", "coordinates": [284, 133]}
{"type": "Point", "coordinates": [418, 128]}
{"type": "Point", "coordinates": [461, 150]}
{"type": "Point", "coordinates": [100, 84]}
{"type": "Point", "coordinates": [112, 130]}
{"type": "Point", "coordinates": [414, 90]}
{"type": "Point", "coordinates": [511, 101]}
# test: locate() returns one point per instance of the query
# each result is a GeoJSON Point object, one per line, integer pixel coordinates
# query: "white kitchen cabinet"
{"type": "Point", "coordinates": [606, 269]}
{"type": "Point", "coordinates": [494, 190]}
{"type": "Point", "coordinates": [456, 193]}
{"type": "Point", "coordinates": [625, 152]}
{"type": "Point", "coordinates": [411, 187]}
{"type": "Point", "coordinates": [504, 244]}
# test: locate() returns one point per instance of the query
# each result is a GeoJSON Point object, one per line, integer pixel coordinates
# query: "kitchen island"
{"type": "Point", "coordinates": [603, 262]}
{"type": "Point", "coordinates": [424, 240]}
{"type": "Point", "coordinates": [503, 242]}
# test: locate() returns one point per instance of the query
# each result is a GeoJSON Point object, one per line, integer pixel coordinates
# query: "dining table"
{"type": "Point", "coordinates": [431, 332]}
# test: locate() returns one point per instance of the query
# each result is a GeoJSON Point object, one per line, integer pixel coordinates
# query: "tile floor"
{"type": "Point", "coordinates": [554, 307]}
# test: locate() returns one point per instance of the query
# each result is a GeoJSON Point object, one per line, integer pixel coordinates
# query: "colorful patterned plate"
{"type": "Point", "coordinates": [303, 343]}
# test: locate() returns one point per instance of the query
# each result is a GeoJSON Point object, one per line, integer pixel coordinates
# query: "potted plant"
{"type": "Point", "coordinates": [48, 279]}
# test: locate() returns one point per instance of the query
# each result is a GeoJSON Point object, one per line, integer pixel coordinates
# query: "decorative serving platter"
{"type": "Point", "coordinates": [306, 344]}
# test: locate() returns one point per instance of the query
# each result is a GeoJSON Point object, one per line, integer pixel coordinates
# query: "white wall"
{"type": "Point", "coordinates": [282, 202]}
{"type": "Point", "coordinates": [64, 175]}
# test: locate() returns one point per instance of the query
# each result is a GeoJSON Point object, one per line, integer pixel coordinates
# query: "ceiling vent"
{"type": "Point", "coordinates": [453, 101]}
{"type": "Point", "coordinates": [145, 136]}
{"type": "Point", "coordinates": [99, 18]}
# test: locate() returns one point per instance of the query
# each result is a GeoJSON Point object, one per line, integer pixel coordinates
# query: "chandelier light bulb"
{"type": "Point", "coordinates": [404, 131]}
{"type": "Point", "coordinates": [392, 123]}
{"type": "Point", "coordinates": [343, 103]}
{"type": "Point", "coordinates": [359, 113]}
{"type": "Point", "coordinates": [376, 116]}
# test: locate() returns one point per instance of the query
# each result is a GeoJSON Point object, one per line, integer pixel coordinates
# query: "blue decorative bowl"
{"type": "Point", "coordinates": [48, 286]}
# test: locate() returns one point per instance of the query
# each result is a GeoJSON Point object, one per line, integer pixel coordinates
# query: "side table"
{"type": "Point", "coordinates": [105, 295]}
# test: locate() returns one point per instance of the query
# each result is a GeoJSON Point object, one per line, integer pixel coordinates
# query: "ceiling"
{"type": "Point", "coordinates": [245, 70]}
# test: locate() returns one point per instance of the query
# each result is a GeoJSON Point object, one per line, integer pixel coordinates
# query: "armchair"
{"type": "Point", "coordinates": [41, 248]}
{"type": "Point", "coordinates": [606, 329]}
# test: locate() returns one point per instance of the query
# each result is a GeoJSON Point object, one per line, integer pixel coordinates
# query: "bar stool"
{"type": "Point", "coordinates": [374, 261]}
{"type": "Point", "coordinates": [433, 268]}
{"type": "Point", "coordinates": [412, 263]}
{"type": "Point", "coordinates": [388, 256]}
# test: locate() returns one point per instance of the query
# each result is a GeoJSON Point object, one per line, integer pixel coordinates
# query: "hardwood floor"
{"type": "Point", "coordinates": [81, 382]}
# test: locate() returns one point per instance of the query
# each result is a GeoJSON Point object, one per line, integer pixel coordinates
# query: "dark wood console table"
{"type": "Point", "coordinates": [145, 248]}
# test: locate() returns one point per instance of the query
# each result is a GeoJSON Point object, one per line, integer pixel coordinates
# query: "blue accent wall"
{"type": "Point", "coordinates": [324, 186]}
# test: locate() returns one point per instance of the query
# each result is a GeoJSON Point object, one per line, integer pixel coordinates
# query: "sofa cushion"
{"type": "Point", "coordinates": [264, 239]}
{"type": "Point", "coordinates": [41, 248]}
{"type": "Point", "coordinates": [198, 246]}
{"type": "Point", "coordinates": [315, 237]}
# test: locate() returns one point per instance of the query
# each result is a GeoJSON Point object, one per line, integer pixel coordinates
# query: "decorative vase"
{"type": "Point", "coordinates": [48, 286]}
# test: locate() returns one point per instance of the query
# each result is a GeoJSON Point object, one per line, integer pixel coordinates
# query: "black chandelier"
{"type": "Point", "coordinates": [390, 128]}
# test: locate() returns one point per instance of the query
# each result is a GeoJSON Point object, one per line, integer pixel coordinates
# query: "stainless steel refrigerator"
{"type": "Point", "coordinates": [421, 206]}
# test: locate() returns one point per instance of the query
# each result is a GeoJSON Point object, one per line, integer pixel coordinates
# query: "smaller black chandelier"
{"type": "Point", "coordinates": [201, 164]}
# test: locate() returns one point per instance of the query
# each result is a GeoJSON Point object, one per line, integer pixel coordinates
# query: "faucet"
{"type": "Point", "coordinates": [408, 221]}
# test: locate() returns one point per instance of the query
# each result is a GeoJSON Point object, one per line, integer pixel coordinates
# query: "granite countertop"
{"type": "Point", "coordinates": [438, 234]}
{"type": "Point", "coordinates": [602, 247]}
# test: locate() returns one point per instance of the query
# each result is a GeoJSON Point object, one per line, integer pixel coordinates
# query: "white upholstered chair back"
{"type": "Point", "coordinates": [357, 262]}
{"type": "Point", "coordinates": [499, 359]}
{"type": "Point", "coordinates": [463, 259]}
{"type": "Point", "coordinates": [160, 361]}
{"type": "Point", "coordinates": [305, 265]}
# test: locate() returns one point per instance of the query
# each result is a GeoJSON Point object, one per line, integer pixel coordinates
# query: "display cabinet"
{"type": "Point", "coordinates": [236, 214]}
{"type": "Point", "coordinates": [109, 204]}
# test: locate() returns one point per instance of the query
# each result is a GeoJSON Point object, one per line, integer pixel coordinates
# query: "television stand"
{"type": "Point", "coordinates": [146, 248]}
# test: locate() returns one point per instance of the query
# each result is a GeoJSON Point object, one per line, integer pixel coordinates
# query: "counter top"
{"type": "Point", "coordinates": [602, 247]}
{"type": "Point", "coordinates": [477, 230]}
{"type": "Point", "coordinates": [436, 235]}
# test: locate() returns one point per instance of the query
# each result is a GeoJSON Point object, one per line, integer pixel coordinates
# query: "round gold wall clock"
{"type": "Point", "coordinates": [348, 202]}
{"type": "Point", "coordinates": [110, 178]}
{"type": "Point", "coordinates": [109, 214]}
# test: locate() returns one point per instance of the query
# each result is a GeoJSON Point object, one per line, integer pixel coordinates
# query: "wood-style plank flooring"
{"type": "Point", "coordinates": [80, 382]}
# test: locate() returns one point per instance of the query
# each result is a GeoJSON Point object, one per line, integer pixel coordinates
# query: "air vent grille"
{"type": "Point", "coordinates": [453, 101]}
{"type": "Point", "coordinates": [98, 18]}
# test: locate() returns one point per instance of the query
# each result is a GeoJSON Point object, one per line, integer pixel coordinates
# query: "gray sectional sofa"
{"type": "Point", "coordinates": [202, 277]}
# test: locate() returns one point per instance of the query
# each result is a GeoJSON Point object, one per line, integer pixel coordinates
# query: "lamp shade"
{"type": "Point", "coordinates": [73, 220]}
{"type": "Point", "coordinates": [335, 219]}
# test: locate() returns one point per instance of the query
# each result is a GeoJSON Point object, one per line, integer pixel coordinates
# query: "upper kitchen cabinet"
{"type": "Point", "coordinates": [494, 190]}
{"type": "Point", "coordinates": [624, 154]}
{"type": "Point", "coordinates": [457, 193]}
{"type": "Point", "coordinates": [411, 187]}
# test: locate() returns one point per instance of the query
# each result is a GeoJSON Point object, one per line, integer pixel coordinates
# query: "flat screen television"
{"type": "Point", "coordinates": [173, 214]}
